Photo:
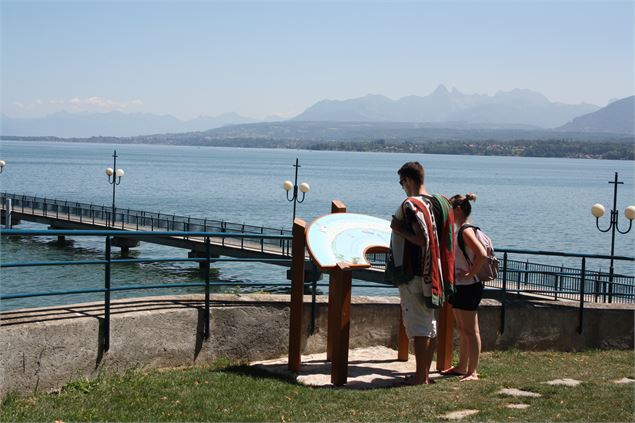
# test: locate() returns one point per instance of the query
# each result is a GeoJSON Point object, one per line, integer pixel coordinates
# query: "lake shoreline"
{"type": "Point", "coordinates": [550, 148]}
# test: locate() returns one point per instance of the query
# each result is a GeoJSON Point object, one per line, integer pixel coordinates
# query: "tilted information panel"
{"type": "Point", "coordinates": [345, 238]}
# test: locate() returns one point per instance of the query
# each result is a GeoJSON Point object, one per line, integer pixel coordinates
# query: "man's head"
{"type": "Point", "coordinates": [411, 174]}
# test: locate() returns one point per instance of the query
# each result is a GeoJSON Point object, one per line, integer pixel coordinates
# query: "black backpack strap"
{"type": "Point", "coordinates": [462, 242]}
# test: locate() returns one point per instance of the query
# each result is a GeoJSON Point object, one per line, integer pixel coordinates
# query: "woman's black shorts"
{"type": "Point", "coordinates": [467, 297]}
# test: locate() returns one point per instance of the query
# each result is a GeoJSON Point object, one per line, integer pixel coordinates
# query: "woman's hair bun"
{"type": "Point", "coordinates": [470, 196]}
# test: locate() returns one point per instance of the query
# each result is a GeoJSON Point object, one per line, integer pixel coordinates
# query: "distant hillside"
{"type": "Point", "coordinates": [522, 109]}
{"type": "Point", "coordinates": [389, 131]}
{"type": "Point", "coordinates": [114, 124]}
{"type": "Point", "coordinates": [278, 134]}
{"type": "Point", "coordinates": [392, 137]}
{"type": "Point", "coordinates": [617, 118]}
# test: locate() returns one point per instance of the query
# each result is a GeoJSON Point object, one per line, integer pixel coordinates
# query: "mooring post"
{"type": "Point", "coordinates": [336, 207]}
{"type": "Point", "coordinates": [297, 295]}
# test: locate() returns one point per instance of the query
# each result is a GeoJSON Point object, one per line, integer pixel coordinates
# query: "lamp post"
{"type": "Point", "coordinates": [288, 186]}
{"type": "Point", "coordinates": [7, 205]}
{"type": "Point", "coordinates": [114, 178]}
{"type": "Point", "coordinates": [597, 210]}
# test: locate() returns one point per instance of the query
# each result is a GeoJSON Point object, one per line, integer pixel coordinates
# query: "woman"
{"type": "Point", "coordinates": [469, 289]}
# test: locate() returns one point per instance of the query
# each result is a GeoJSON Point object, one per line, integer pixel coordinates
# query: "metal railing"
{"type": "Point", "coordinates": [564, 282]}
{"type": "Point", "coordinates": [556, 282]}
{"type": "Point", "coordinates": [560, 282]}
{"type": "Point", "coordinates": [515, 276]}
{"type": "Point", "coordinates": [138, 220]}
{"type": "Point", "coordinates": [108, 262]}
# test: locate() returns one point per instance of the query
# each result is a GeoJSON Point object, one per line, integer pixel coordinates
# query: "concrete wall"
{"type": "Point", "coordinates": [41, 349]}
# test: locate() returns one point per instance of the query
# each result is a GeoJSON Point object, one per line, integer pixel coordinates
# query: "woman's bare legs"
{"type": "Point", "coordinates": [472, 335]}
{"type": "Point", "coordinates": [462, 365]}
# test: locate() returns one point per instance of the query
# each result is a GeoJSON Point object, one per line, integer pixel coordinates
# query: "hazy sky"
{"type": "Point", "coordinates": [263, 58]}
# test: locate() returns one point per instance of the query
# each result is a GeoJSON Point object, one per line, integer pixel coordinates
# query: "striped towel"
{"type": "Point", "coordinates": [437, 258]}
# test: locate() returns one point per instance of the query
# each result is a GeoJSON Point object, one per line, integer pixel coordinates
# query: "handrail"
{"type": "Point", "coordinates": [556, 281]}
{"type": "Point", "coordinates": [130, 234]}
{"type": "Point", "coordinates": [107, 262]}
{"type": "Point", "coordinates": [562, 254]}
{"type": "Point", "coordinates": [129, 216]}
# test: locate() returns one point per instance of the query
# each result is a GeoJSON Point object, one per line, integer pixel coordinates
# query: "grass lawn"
{"type": "Point", "coordinates": [235, 392]}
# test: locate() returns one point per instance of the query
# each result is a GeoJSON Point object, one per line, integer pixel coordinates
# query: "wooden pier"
{"type": "Point", "coordinates": [62, 214]}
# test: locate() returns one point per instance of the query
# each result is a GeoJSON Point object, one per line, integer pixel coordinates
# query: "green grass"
{"type": "Point", "coordinates": [235, 392]}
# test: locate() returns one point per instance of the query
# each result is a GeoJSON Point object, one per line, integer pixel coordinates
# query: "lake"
{"type": "Point", "coordinates": [528, 203]}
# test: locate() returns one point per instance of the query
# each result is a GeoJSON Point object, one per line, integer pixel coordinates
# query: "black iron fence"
{"type": "Point", "coordinates": [560, 282]}
{"type": "Point", "coordinates": [555, 282]}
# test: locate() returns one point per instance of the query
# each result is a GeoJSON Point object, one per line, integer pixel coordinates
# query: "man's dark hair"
{"type": "Point", "coordinates": [412, 170]}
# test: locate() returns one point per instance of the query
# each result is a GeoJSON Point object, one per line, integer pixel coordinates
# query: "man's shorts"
{"type": "Point", "coordinates": [418, 319]}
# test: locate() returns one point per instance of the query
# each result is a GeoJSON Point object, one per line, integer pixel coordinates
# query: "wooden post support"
{"type": "Point", "coordinates": [343, 280]}
{"type": "Point", "coordinates": [403, 343]}
{"type": "Point", "coordinates": [297, 295]}
{"type": "Point", "coordinates": [445, 337]}
{"type": "Point", "coordinates": [336, 207]}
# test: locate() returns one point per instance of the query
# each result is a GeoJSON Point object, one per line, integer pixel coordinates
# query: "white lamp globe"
{"type": "Point", "coordinates": [597, 210]}
{"type": "Point", "coordinates": [120, 172]}
{"type": "Point", "coordinates": [109, 171]}
{"type": "Point", "coordinates": [629, 212]}
{"type": "Point", "coordinates": [304, 187]}
{"type": "Point", "coordinates": [287, 185]}
{"type": "Point", "coordinates": [3, 163]}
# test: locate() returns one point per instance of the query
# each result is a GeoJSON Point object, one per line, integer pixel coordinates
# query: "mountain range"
{"type": "Point", "coordinates": [114, 124]}
{"type": "Point", "coordinates": [517, 110]}
{"type": "Point", "coordinates": [617, 117]}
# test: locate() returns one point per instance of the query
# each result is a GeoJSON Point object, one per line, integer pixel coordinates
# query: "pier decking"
{"type": "Point", "coordinates": [61, 214]}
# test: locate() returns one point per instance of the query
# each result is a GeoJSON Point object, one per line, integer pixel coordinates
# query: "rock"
{"type": "Point", "coordinates": [519, 406]}
{"type": "Point", "coordinates": [518, 393]}
{"type": "Point", "coordinates": [457, 415]}
{"type": "Point", "coordinates": [565, 382]}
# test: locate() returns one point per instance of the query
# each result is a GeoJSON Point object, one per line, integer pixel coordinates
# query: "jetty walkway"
{"type": "Point", "coordinates": [270, 245]}
{"type": "Point", "coordinates": [61, 214]}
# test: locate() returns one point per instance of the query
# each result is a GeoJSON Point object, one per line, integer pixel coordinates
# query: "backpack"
{"type": "Point", "coordinates": [489, 270]}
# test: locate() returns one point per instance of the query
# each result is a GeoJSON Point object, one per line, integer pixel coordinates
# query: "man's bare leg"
{"type": "Point", "coordinates": [424, 350]}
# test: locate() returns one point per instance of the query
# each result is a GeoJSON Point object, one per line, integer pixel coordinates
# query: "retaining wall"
{"type": "Point", "coordinates": [41, 349]}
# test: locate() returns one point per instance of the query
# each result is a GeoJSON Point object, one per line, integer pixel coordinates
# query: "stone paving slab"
{"type": "Point", "coordinates": [518, 406]}
{"type": "Point", "coordinates": [565, 382]}
{"type": "Point", "coordinates": [458, 415]}
{"type": "Point", "coordinates": [518, 393]}
{"type": "Point", "coordinates": [368, 368]}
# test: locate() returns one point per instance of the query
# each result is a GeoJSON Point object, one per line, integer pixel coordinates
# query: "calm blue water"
{"type": "Point", "coordinates": [529, 203]}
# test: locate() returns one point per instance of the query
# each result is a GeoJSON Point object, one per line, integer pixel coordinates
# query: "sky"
{"type": "Point", "coordinates": [261, 58]}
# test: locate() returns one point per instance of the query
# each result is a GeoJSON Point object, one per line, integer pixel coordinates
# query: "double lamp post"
{"type": "Point", "coordinates": [597, 210]}
{"type": "Point", "coordinates": [114, 178]}
{"type": "Point", "coordinates": [289, 186]}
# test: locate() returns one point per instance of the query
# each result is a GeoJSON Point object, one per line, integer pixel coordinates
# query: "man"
{"type": "Point", "coordinates": [421, 246]}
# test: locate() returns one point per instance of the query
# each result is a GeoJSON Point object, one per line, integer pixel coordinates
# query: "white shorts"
{"type": "Point", "coordinates": [418, 319]}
